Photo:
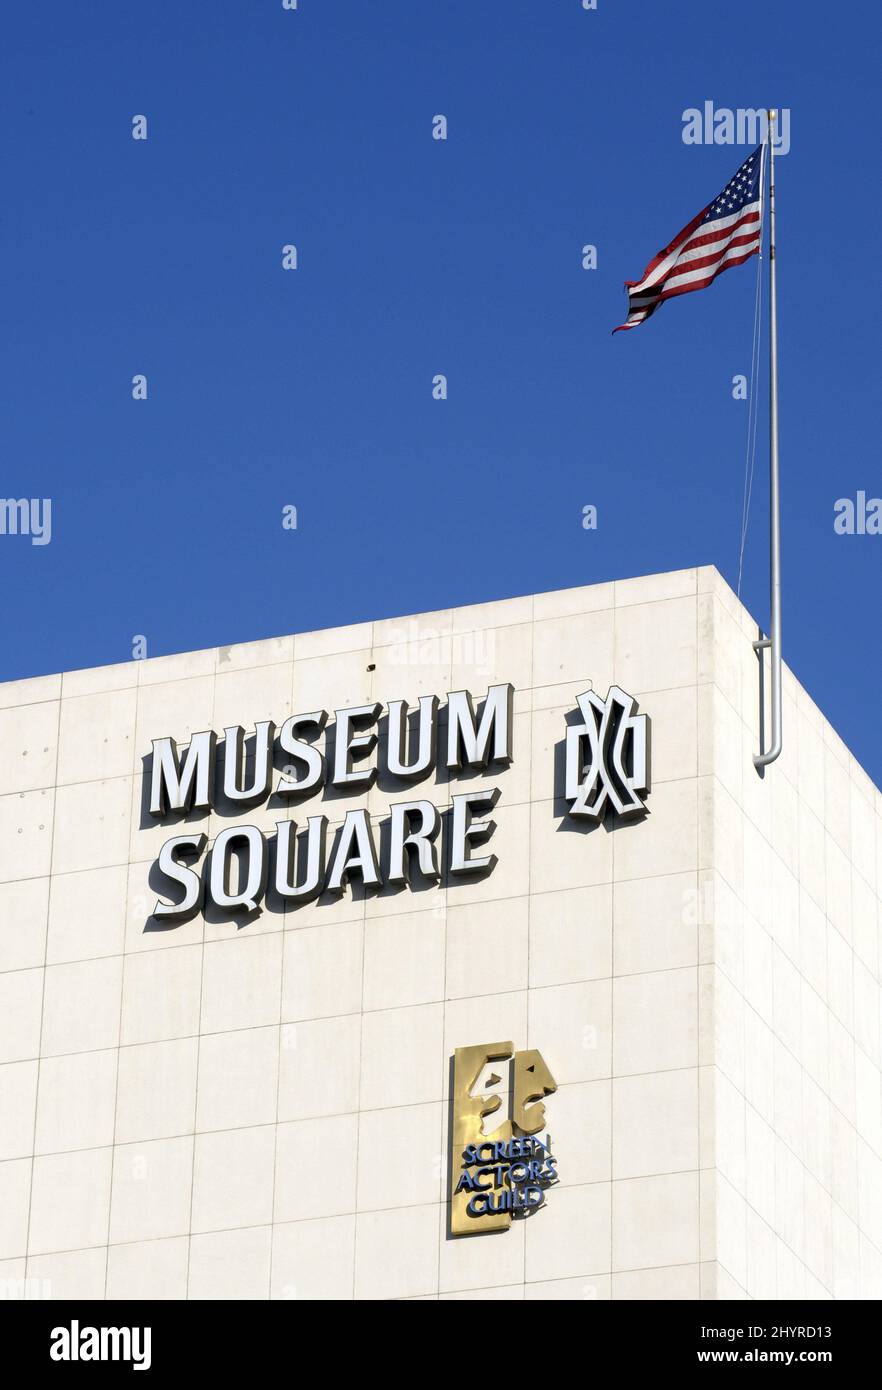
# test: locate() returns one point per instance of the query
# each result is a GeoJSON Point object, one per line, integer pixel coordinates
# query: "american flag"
{"type": "Point", "coordinates": [727, 232]}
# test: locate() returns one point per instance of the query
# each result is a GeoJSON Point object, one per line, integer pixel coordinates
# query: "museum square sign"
{"type": "Point", "coordinates": [607, 773]}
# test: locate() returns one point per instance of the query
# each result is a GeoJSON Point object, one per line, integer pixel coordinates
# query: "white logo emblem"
{"type": "Point", "coordinates": [617, 764]}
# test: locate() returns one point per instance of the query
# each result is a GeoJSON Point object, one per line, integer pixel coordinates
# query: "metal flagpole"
{"type": "Point", "coordinates": [774, 641]}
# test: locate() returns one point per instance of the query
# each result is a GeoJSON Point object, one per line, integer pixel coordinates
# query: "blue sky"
{"type": "Point", "coordinates": [416, 257]}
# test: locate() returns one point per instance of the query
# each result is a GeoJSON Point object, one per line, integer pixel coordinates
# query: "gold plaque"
{"type": "Point", "coordinates": [500, 1171]}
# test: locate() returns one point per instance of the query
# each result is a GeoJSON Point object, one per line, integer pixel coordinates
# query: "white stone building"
{"type": "Point", "coordinates": [250, 1107]}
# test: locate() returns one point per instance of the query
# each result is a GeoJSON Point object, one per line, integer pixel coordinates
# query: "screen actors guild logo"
{"type": "Point", "coordinates": [500, 1171]}
{"type": "Point", "coordinates": [617, 764]}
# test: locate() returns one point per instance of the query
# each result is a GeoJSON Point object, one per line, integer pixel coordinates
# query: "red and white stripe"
{"type": "Point", "coordinates": [695, 257]}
